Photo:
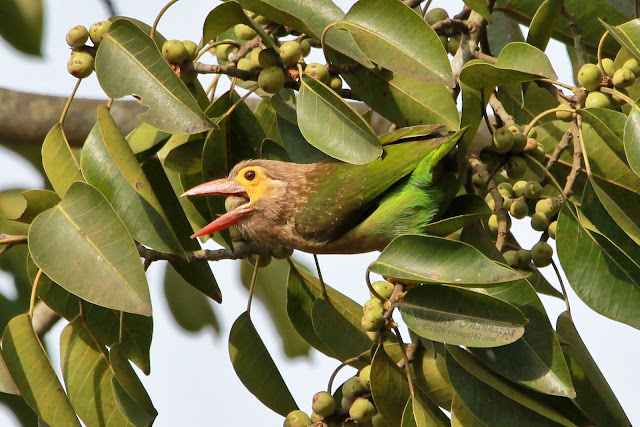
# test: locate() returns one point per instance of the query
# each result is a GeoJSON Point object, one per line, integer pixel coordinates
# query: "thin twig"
{"type": "Point", "coordinates": [229, 70]}
{"type": "Point", "coordinates": [500, 111]}
{"type": "Point", "coordinates": [479, 167]}
{"type": "Point", "coordinates": [68, 104]}
{"type": "Point", "coordinates": [450, 27]}
{"type": "Point", "coordinates": [564, 291]}
{"type": "Point", "coordinates": [325, 295]}
{"type": "Point", "coordinates": [416, 343]}
{"type": "Point", "coordinates": [582, 146]}
{"type": "Point", "coordinates": [254, 277]}
{"type": "Point", "coordinates": [110, 7]}
{"type": "Point", "coordinates": [578, 40]}
{"type": "Point", "coordinates": [34, 293]}
{"type": "Point", "coordinates": [335, 372]}
{"type": "Point", "coordinates": [157, 21]}
{"type": "Point", "coordinates": [11, 240]}
{"type": "Point", "coordinates": [242, 252]}
{"type": "Point", "coordinates": [406, 360]}
{"type": "Point", "coordinates": [557, 152]}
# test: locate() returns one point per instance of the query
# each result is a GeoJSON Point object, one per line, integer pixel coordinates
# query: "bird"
{"type": "Point", "coordinates": [333, 207]}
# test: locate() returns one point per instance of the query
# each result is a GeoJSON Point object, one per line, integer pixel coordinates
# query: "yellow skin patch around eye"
{"type": "Point", "coordinates": [260, 186]}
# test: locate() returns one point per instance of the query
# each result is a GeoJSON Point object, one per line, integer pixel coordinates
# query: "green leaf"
{"type": "Point", "coordinates": [593, 394]}
{"type": "Point", "coordinates": [109, 165]}
{"type": "Point", "coordinates": [129, 62]}
{"type": "Point", "coordinates": [33, 374]}
{"type": "Point", "coordinates": [7, 385]}
{"type": "Point", "coordinates": [130, 383]}
{"type": "Point", "coordinates": [255, 368]}
{"type": "Point", "coordinates": [228, 15]}
{"type": "Point", "coordinates": [343, 133]}
{"type": "Point", "coordinates": [389, 387]}
{"type": "Point", "coordinates": [88, 376]}
{"type": "Point", "coordinates": [463, 210]}
{"type": "Point", "coordinates": [427, 413]}
{"type": "Point", "coordinates": [145, 140]}
{"type": "Point", "coordinates": [408, 420]}
{"type": "Point", "coordinates": [600, 261]}
{"type": "Point", "coordinates": [483, 391]}
{"type": "Point", "coordinates": [345, 340]}
{"type": "Point", "coordinates": [436, 260]}
{"type": "Point", "coordinates": [616, 213]}
{"type": "Point", "coordinates": [409, 132]}
{"type": "Point", "coordinates": [430, 373]}
{"type": "Point", "coordinates": [83, 237]}
{"type": "Point", "coordinates": [461, 317]}
{"type": "Point", "coordinates": [58, 161]}
{"type": "Point", "coordinates": [502, 31]}
{"type": "Point", "coordinates": [190, 308]}
{"type": "Point", "coordinates": [481, 7]}
{"type": "Point", "coordinates": [271, 150]}
{"type": "Point", "coordinates": [266, 115]}
{"type": "Point", "coordinates": [21, 25]}
{"type": "Point", "coordinates": [518, 63]}
{"type": "Point", "coordinates": [38, 201]}
{"type": "Point", "coordinates": [461, 415]}
{"type": "Point", "coordinates": [609, 125]}
{"type": "Point", "coordinates": [416, 53]}
{"type": "Point", "coordinates": [631, 140]}
{"type": "Point", "coordinates": [627, 34]}
{"type": "Point", "coordinates": [405, 101]}
{"type": "Point", "coordinates": [543, 23]}
{"type": "Point", "coordinates": [129, 407]}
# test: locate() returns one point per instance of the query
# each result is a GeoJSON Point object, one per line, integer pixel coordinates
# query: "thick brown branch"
{"type": "Point", "coordinates": [578, 40]}
{"type": "Point", "coordinates": [241, 252]}
{"type": "Point", "coordinates": [557, 152]}
{"type": "Point", "coordinates": [500, 111]}
{"type": "Point", "coordinates": [501, 212]}
{"type": "Point", "coordinates": [229, 70]}
{"type": "Point", "coordinates": [450, 27]}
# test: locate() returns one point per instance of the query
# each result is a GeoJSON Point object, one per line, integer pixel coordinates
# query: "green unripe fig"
{"type": "Point", "coordinates": [316, 420]}
{"type": "Point", "coordinates": [590, 77]}
{"type": "Point", "coordinates": [539, 222]}
{"type": "Point", "coordinates": [518, 188]}
{"type": "Point", "coordinates": [506, 202]}
{"type": "Point", "coordinates": [335, 83]}
{"type": "Point", "coordinates": [362, 410]}
{"type": "Point", "coordinates": [540, 153]}
{"type": "Point", "coordinates": [345, 403]}
{"type": "Point", "coordinates": [548, 207]}
{"type": "Point", "coordinates": [268, 58]}
{"type": "Point", "coordinates": [383, 288]}
{"type": "Point", "coordinates": [318, 72]}
{"type": "Point", "coordinates": [282, 253]}
{"type": "Point", "coordinates": [445, 42]}
{"type": "Point", "coordinates": [271, 79]}
{"type": "Point", "coordinates": [436, 14]}
{"type": "Point", "coordinates": [77, 36]}
{"type": "Point", "coordinates": [263, 260]}
{"type": "Point", "coordinates": [232, 202]}
{"type": "Point", "coordinates": [553, 227]}
{"type": "Point", "coordinates": [262, 20]}
{"type": "Point", "coordinates": [533, 133]}
{"type": "Point", "coordinates": [290, 53]}
{"type": "Point", "coordinates": [502, 140]}
{"type": "Point", "coordinates": [353, 388]}
{"type": "Point", "coordinates": [454, 44]}
{"type": "Point", "coordinates": [365, 373]}
{"type": "Point", "coordinates": [191, 48]}
{"type": "Point", "coordinates": [305, 47]}
{"type": "Point", "coordinates": [374, 304]}
{"type": "Point", "coordinates": [632, 65]}
{"type": "Point", "coordinates": [505, 189]}
{"type": "Point", "coordinates": [253, 56]}
{"type": "Point", "coordinates": [516, 167]}
{"type": "Point", "coordinates": [80, 64]}
{"type": "Point", "coordinates": [597, 99]}
{"type": "Point", "coordinates": [519, 209]}
{"type": "Point", "coordinates": [372, 321]}
{"type": "Point", "coordinates": [224, 50]}
{"type": "Point", "coordinates": [511, 258]}
{"type": "Point", "coordinates": [244, 32]}
{"type": "Point", "coordinates": [490, 202]}
{"type": "Point", "coordinates": [297, 418]}
{"type": "Point", "coordinates": [493, 223]}
{"type": "Point", "coordinates": [477, 181]}
{"type": "Point", "coordinates": [532, 190]}
{"type": "Point", "coordinates": [524, 258]}
{"type": "Point", "coordinates": [174, 51]}
{"type": "Point", "coordinates": [608, 66]}
{"type": "Point", "coordinates": [519, 142]}
{"type": "Point", "coordinates": [323, 404]}
{"type": "Point", "coordinates": [374, 337]}
{"type": "Point", "coordinates": [514, 128]}
{"type": "Point", "coordinates": [378, 421]}
{"type": "Point", "coordinates": [98, 30]}
{"type": "Point", "coordinates": [541, 254]}
{"type": "Point", "coordinates": [624, 77]}
{"type": "Point", "coordinates": [565, 116]}
{"type": "Point", "coordinates": [246, 65]}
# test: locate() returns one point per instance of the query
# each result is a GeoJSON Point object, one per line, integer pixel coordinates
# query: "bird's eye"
{"type": "Point", "coordinates": [250, 175]}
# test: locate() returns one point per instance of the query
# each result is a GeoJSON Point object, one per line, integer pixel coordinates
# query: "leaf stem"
{"type": "Point", "coordinates": [157, 21]}
{"type": "Point", "coordinates": [325, 295]}
{"type": "Point", "coordinates": [403, 348]}
{"type": "Point", "coordinates": [373, 291]}
{"type": "Point", "coordinates": [584, 151]}
{"type": "Point", "coordinates": [600, 43]}
{"type": "Point", "coordinates": [620, 95]}
{"type": "Point", "coordinates": [335, 372]}
{"type": "Point", "coordinates": [121, 327]}
{"type": "Point", "coordinates": [532, 123]}
{"type": "Point", "coordinates": [564, 291]}
{"type": "Point", "coordinates": [68, 104]}
{"type": "Point", "coordinates": [254, 278]}
{"type": "Point", "coordinates": [34, 293]}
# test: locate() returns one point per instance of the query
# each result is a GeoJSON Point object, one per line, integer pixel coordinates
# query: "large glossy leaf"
{"type": "Point", "coordinates": [463, 210]}
{"type": "Point", "coordinates": [145, 140]}
{"type": "Point", "coordinates": [82, 237]}
{"type": "Point", "coordinates": [543, 23]}
{"type": "Point", "coordinates": [38, 201]}
{"type": "Point", "coordinates": [461, 415]}
{"type": "Point", "coordinates": [58, 161]}
{"type": "Point", "coordinates": [436, 260]}
{"type": "Point", "coordinates": [518, 63]}
{"type": "Point", "coordinates": [616, 213]}
{"type": "Point", "coordinates": [627, 34]}
{"type": "Point", "coordinates": [88, 376]}
{"type": "Point", "coordinates": [21, 25]}
{"type": "Point", "coordinates": [535, 360]}
{"type": "Point", "coordinates": [593, 394]}
{"type": "Point", "coordinates": [416, 53]}
{"type": "Point", "coordinates": [502, 31]}
{"type": "Point", "coordinates": [481, 7]}
{"type": "Point", "coordinates": [631, 140]}
{"type": "Point", "coordinates": [226, 16]}
{"type": "Point", "coordinates": [404, 101]}
{"type": "Point", "coordinates": [33, 374]}
{"type": "Point", "coordinates": [430, 373]}
{"type": "Point", "coordinates": [609, 125]}
{"type": "Point", "coordinates": [496, 401]}
{"type": "Point", "coordinates": [109, 165]}
{"type": "Point", "coordinates": [249, 356]}
{"type": "Point", "coordinates": [602, 274]}
{"type": "Point", "coordinates": [7, 385]}
{"type": "Point", "coordinates": [333, 126]}
{"type": "Point", "coordinates": [128, 62]}
{"type": "Point", "coordinates": [462, 317]}
{"type": "Point", "coordinates": [389, 387]}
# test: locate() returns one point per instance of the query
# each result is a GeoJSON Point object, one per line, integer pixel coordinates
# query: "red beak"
{"type": "Point", "coordinates": [220, 187]}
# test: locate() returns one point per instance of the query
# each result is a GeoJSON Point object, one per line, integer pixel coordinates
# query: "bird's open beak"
{"type": "Point", "coordinates": [221, 187]}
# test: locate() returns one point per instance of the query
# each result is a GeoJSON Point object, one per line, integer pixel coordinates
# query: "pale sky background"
{"type": "Point", "coordinates": [192, 381]}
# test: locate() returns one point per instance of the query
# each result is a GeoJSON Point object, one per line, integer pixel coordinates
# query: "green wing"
{"type": "Point", "coordinates": [346, 194]}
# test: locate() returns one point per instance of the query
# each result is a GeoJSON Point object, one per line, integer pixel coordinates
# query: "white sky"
{"type": "Point", "coordinates": [192, 381]}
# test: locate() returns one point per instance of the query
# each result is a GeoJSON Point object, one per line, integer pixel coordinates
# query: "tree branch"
{"type": "Point", "coordinates": [578, 41]}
